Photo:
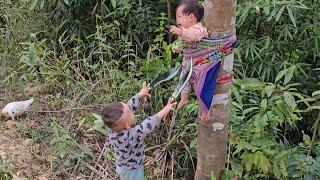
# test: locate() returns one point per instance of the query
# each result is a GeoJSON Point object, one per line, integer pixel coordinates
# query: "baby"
{"type": "Point", "coordinates": [127, 141]}
{"type": "Point", "coordinates": [188, 16]}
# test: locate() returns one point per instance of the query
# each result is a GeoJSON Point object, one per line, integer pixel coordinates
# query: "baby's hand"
{"type": "Point", "coordinates": [176, 30]}
{"type": "Point", "coordinates": [177, 46]}
{"type": "Point", "coordinates": [144, 90]}
{"type": "Point", "coordinates": [176, 49]}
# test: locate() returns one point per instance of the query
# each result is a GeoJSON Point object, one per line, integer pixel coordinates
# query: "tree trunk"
{"type": "Point", "coordinates": [219, 18]}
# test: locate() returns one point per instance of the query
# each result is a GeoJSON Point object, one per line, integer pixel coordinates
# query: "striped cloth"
{"type": "Point", "coordinates": [207, 56]}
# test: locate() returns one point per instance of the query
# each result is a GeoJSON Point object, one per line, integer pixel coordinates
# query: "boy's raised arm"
{"type": "Point", "coordinates": [149, 124]}
{"type": "Point", "coordinates": [134, 101]}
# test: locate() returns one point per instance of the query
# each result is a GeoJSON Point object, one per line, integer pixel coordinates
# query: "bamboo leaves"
{"type": "Point", "coordinates": [287, 73]}
{"type": "Point", "coordinates": [33, 4]}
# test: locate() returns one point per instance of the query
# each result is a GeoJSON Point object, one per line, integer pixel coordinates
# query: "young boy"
{"type": "Point", "coordinates": [127, 141]}
{"type": "Point", "coordinates": [188, 16]}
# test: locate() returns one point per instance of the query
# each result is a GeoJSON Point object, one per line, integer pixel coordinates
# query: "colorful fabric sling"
{"type": "Point", "coordinates": [207, 56]}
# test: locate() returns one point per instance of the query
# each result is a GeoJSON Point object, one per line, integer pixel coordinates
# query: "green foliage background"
{"type": "Point", "coordinates": [92, 52]}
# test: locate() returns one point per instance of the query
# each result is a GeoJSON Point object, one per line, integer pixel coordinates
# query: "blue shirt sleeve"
{"type": "Point", "coordinates": [133, 103]}
{"type": "Point", "coordinates": [147, 126]}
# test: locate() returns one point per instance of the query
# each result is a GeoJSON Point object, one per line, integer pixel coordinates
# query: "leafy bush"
{"type": "Point", "coordinates": [100, 51]}
{"type": "Point", "coordinates": [4, 174]}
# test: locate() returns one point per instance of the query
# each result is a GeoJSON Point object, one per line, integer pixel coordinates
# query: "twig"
{"type": "Point", "coordinates": [172, 123]}
{"type": "Point", "coordinates": [314, 136]}
{"type": "Point", "coordinates": [93, 169]}
{"type": "Point", "coordinates": [104, 170]}
{"type": "Point", "coordinates": [186, 147]}
{"type": "Point", "coordinates": [104, 147]}
{"type": "Point", "coordinates": [229, 152]}
{"type": "Point", "coordinates": [69, 125]}
{"type": "Point", "coordinates": [59, 111]}
{"type": "Point", "coordinates": [153, 147]}
{"type": "Point", "coordinates": [172, 159]}
{"type": "Point", "coordinates": [95, 7]}
{"type": "Point", "coordinates": [87, 92]}
{"type": "Point", "coordinates": [75, 168]}
{"type": "Point", "coordinates": [164, 165]}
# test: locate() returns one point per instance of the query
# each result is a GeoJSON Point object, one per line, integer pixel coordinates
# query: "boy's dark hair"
{"type": "Point", "coordinates": [111, 113]}
{"type": "Point", "coordinates": [194, 7]}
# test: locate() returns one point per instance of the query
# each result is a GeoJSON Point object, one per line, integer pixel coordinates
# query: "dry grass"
{"type": "Point", "coordinates": [27, 156]}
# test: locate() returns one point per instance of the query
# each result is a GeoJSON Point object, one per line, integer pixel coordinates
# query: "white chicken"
{"type": "Point", "coordinates": [17, 108]}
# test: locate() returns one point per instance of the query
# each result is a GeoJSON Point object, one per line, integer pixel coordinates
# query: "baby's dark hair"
{"type": "Point", "coordinates": [111, 113]}
{"type": "Point", "coordinates": [194, 7]}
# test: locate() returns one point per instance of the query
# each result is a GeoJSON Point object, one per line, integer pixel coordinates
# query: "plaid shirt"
{"type": "Point", "coordinates": [128, 144]}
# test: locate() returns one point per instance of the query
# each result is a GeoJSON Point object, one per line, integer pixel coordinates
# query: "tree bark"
{"type": "Point", "coordinates": [219, 18]}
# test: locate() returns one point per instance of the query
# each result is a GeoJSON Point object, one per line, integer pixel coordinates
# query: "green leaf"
{"type": "Point", "coordinates": [264, 163]}
{"type": "Point", "coordinates": [114, 3]}
{"type": "Point", "coordinates": [316, 93]}
{"type": "Point", "coordinates": [236, 94]}
{"type": "Point", "coordinates": [289, 74]}
{"type": "Point", "coordinates": [309, 176]}
{"type": "Point", "coordinates": [213, 176]}
{"type": "Point", "coordinates": [247, 161]}
{"type": "Point", "coordinates": [31, 54]}
{"type": "Point", "coordinates": [313, 108]}
{"type": "Point", "coordinates": [41, 4]}
{"type": "Point", "coordinates": [293, 20]}
{"type": "Point", "coordinates": [300, 96]}
{"type": "Point", "coordinates": [193, 143]}
{"type": "Point", "coordinates": [98, 125]}
{"type": "Point", "coordinates": [289, 99]}
{"type": "Point", "coordinates": [280, 12]}
{"type": "Point", "coordinates": [248, 110]}
{"type": "Point", "coordinates": [283, 108]}
{"type": "Point", "coordinates": [250, 84]}
{"type": "Point", "coordinates": [33, 4]}
{"type": "Point", "coordinates": [276, 170]}
{"type": "Point", "coordinates": [281, 74]}
{"type": "Point", "coordinates": [302, 6]}
{"type": "Point", "coordinates": [66, 1]}
{"type": "Point", "coordinates": [269, 89]}
{"type": "Point", "coordinates": [256, 158]}
{"type": "Point", "coordinates": [98, 117]}
{"type": "Point", "coordinates": [264, 104]}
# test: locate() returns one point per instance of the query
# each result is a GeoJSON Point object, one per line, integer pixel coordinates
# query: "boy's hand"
{"type": "Point", "coordinates": [176, 30]}
{"type": "Point", "coordinates": [170, 106]}
{"type": "Point", "coordinates": [144, 90]}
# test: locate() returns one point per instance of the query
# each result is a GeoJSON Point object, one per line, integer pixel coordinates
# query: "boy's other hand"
{"type": "Point", "coordinates": [176, 30]}
{"type": "Point", "coordinates": [170, 105]}
{"type": "Point", "coordinates": [145, 90]}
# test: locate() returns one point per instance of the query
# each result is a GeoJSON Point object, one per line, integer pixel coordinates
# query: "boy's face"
{"type": "Point", "coordinates": [127, 116]}
{"type": "Point", "coordinates": [184, 20]}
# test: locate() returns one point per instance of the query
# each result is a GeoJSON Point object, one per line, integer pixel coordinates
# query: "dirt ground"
{"type": "Point", "coordinates": [17, 153]}
{"type": "Point", "coordinates": [24, 158]}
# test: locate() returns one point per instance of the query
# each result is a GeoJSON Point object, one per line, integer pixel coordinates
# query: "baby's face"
{"type": "Point", "coordinates": [184, 20]}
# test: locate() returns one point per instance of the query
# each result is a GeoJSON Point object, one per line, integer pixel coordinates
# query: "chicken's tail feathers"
{"type": "Point", "coordinates": [30, 101]}
{"type": "Point", "coordinates": [2, 115]}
